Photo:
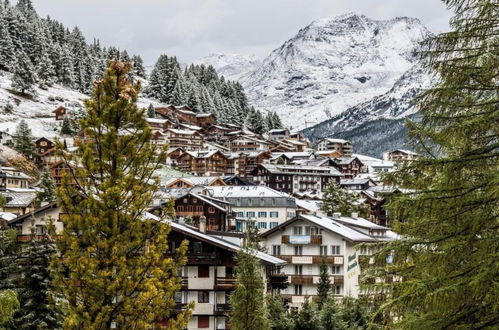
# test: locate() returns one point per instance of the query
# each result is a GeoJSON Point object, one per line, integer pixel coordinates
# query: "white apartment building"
{"type": "Point", "coordinates": [306, 240]}
{"type": "Point", "coordinates": [263, 206]}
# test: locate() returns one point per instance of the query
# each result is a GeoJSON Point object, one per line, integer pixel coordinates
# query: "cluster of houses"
{"type": "Point", "coordinates": [232, 179]}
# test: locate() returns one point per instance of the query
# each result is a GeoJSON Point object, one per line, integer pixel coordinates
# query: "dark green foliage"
{"type": "Point", "coordinates": [36, 294]}
{"type": "Point", "coordinates": [8, 108]}
{"type": "Point", "coordinates": [278, 315]}
{"type": "Point", "coordinates": [306, 318]}
{"type": "Point", "coordinates": [337, 199]}
{"type": "Point", "coordinates": [24, 78]}
{"type": "Point", "coordinates": [324, 285]}
{"type": "Point", "coordinates": [23, 140]}
{"type": "Point", "coordinates": [151, 113]}
{"type": "Point", "coordinates": [354, 314]}
{"type": "Point", "coordinates": [67, 126]}
{"type": "Point", "coordinates": [255, 121]}
{"type": "Point", "coordinates": [449, 217]}
{"type": "Point", "coordinates": [47, 193]}
{"type": "Point", "coordinates": [272, 121]}
{"type": "Point", "coordinates": [330, 316]}
{"type": "Point", "coordinates": [9, 250]}
{"type": "Point", "coordinates": [248, 304]}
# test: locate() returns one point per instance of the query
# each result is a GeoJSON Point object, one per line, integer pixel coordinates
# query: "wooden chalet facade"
{"type": "Point", "coordinates": [349, 167]}
{"type": "Point", "coordinates": [202, 163]}
{"type": "Point", "coordinates": [217, 215]}
{"type": "Point", "coordinates": [185, 139]}
{"type": "Point", "coordinates": [61, 113]}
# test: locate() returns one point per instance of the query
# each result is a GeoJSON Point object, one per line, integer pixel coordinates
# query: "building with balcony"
{"type": "Point", "coordinates": [349, 167]}
{"type": "Point", "coordinates": [306, 241]}
{"type": "Point", "coordinates": [260, 206]}
{"type": "Point", "coordinates": [343, 146]}
{"type": "Point", "coordinates": [295, 178]}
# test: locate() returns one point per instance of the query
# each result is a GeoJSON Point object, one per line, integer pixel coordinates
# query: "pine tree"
{"type": "Point", "coordinates": [138, 66]}
{"type": "Point", "coordinates": [8, 107]}
{"type": "Point", "coordinates": [279, 318]}
{"type": "Point", "coordinates": [247, 300]}
{"type": "Point", "coordinates": [151, 112]}
{"type": "Point", "coordinates": [117, 257]}
{"type": "Point", "coordinates": [306, 318]}
{"type": "Point", "coordinates": [7, 50]}
{"type": "Point", "coordinates": [24, 78]}
{"type": "Point", "coordinates": [47, 193]}
{"type": "Point", "coordinates": [255, 121]}
{"type": "Point", "coordinates": [449, 215]}
{"type": "Point", "coordinates": [8, 305]}
{"type": "Point", "coordinates": [330, 317]}
{"type": "Point", "coordinates": [354, 314]}
{"type": "Point", "coordinates": [9, 252]}
{"type": "Point", "coordinates": [66, 72]}
{"type": "Point", "coordinates": [67, 127]}
{"type": "Point", "coordinates": [337, 199]}
{"type": "Point", "coordinates": [324, 285]}
{"type": "Point", "coordinates": [23, 140]}
{"type": "Point", "coordinates": [36, 294]}
{"type": "Point", "coordinates": [45, 70]}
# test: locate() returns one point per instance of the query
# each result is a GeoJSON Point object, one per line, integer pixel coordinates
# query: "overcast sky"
{"type": "Point", "coordinates": [191, 29]}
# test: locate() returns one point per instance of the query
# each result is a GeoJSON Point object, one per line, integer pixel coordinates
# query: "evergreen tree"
{"type": "Point", "coordinates": [117, 255]}
{"type": "Point", "coordinates": [279, 318]}
{"type": "Point", "coordinates": [330, 317]}
{"type": "Point", "coordinates": [138, 66]}
{"type": "Point", "coordinates": [247, 300]}
{"type": "Point", "coordinates": [449, 215]}
{"type": "Point", "coordinates": [324, 285]}
{"type": "Point", "coordinates": [47, 193]}
{"type": "Point", "coordinates": [354, 314]}
{"type": "Point", "coordinates": [306, 318]}
{"type": "Point", "coordinates": [23, 140]}
{"type": "Point", "coordinates": [67, 127]}
{"type": "Point", "coordinates": [7, 50]}
{"type": "Point", "coordinates": [337, 199]}
{"type": "Point", "coordinates": [66, 72]}
{"type": "Point", "coordinates": [151, 113]}
{"type": "Point", "coordinates": [36, 293]}
{"type": "Point", "coordinates": [9, 252]}
{"type": "Point", "coordinates": [255, 121]}
{"type": "Point", "coordinates": [23, 79]}
{"type": "Point", "coordinates": [8, 107]}
{"type": "Point", "coordinates": [8, 305]}
{"type": "Point", "coordinates": [45, 70]}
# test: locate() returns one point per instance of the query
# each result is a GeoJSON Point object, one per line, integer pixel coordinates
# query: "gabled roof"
{"type": "Point", "coordinates": [245, 192]}
{"type": "Point", "coordinates": [359, 222]}
{"type": "Point", "coordinates": [34, 212]}
{"type": "Point", "coordinates": [326, 223]}
{"type": "Point", "coordinates": [331, 140]}
{"type": "Point", "coordinates": [221, 243]}
{"type": "Point", "coordinates": [299, 169]}
{"type": "Point", "coordinates": [58, 109]}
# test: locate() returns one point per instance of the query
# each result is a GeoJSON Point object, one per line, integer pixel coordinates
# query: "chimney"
{"type": "Point", "coordinates": [336, 215]}
{"type": "Point", "coordinates": [202, 224]}
{"type": "Point", "coordinates": [355, 215]}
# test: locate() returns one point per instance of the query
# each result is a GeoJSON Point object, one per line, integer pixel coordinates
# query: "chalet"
{"type": "Point", "coordinates": [278, 134]}
{"type": "Point", "coordinates": [61, 113]}
{"type": "Point", "coordinates": [234, 180]}
{"type": "Point", "coordinates": [357, 183]}
{"type": "Point", "coordinates": [14, 178]}
{"type": "Point", "coordinates": [49, 157]}
{"type": "Point", "coordinates": [205, 120]}
{"type": "Point", "coordinates": [203, 162]}
{"type": "Point", "coordinates": [58, 170]}
{"type": "Point", "coordinates": [217, 133]}
{"type": "Point", "coordinates": [349, 167]}
{"type": "Point", "coordinates": [329, 154]}
{"type": "Point", "coordinates": [376, 197]}
{"type": "Point", "coordinates": [6, 138]}
{"type": "Point", "coordinates": [398, 155]}
{"type": "Point", "coordinates": [43, 144]}
{"type": "Point", "coordinates": [245, 162]}
{"type": "Point", "coordinates": [19, 203]}
{"type": "Point", "coordinates": [165, 112]}
{"type": "Point", "coordinates": [159, 123]}
{"type": "Point", "coordinates": [343, 146]}
{"type": "Point", "coordinates": [243, 143]}
{"type": "Point", "coordinates": [256, 205]}
{"type": "Point", "coordinates": [292, 156]}
{"type": "Point", "coordinates": [306, 241]}
{"type": "Point", "coordinates": [185, 139]}
{"type": "Point", "coordinates": [293, 178]}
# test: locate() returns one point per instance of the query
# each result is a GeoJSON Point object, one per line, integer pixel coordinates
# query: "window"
{"type": "Point", "coordinates": [229, 272]}
{"type": "Point", "coordinates": [250, 214]}
{"type": "Point", "coordinates": [178, 297]}
{"type": "Point", "coordinates": [203, 322]}
{"type": "Point", "coordinates": [297, 230]}
{"type": "Point", "coordinates": [298, 270]}
{"type": "Point", "coordinates": [190, 208]}
{"type": "Point", "coordinates": [274, 214]}
{"type": "Point", "coordinates": [276, 250]}
{"type": "Point", "coordinates": [203, 271]}
{"type": "Point", "coordinates": [186, 201]}
{"type": "Point", "coordinates": [262, 214]}
{"type": "Point", "coordinates": [298, 290]}
{"type": "Point", "coordinates": [290, 215]}
{"type": "Point", "coordinates": [240, 214]}
{"type": "Point", "coordinates": [323, 250]}
{"type": "Point", "coordinates": [262, 202]}
{"type": "Point", "coordinates": [39, 230]}
{"type": "Point", "coordinates": [262, 225]}
{"type": "Point", "coordinates": [335, 269]}
{"type": "Point", "coordinates": [194, 200]}
{"type": "Point", "coordinates": [335, 249]}
{"type": "Point", "coordinates": [199, 208]}
{"type": "Point", "coordinates": [337, 289]}
{"type": "Point", "coordinates": [211, 209]}
{"type": "Point", "coordinates": [273, 224]}
{"type": "Point", "coordinates": [273, 202]}
{"type": "Point", "coordinates": [203, 297]}
{"type": "Point", "coordinates": [298, 250]}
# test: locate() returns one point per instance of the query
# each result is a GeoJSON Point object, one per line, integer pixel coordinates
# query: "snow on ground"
{"type": "Point", "coordinates": [37, 112]}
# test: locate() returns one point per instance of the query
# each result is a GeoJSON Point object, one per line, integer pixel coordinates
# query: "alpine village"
{"type": "Point", "coordinates": [164, 197]}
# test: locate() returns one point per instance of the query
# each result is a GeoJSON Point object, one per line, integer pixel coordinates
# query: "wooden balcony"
{"type": "Point", "coordinates": [28, 238]}
{"type": "Point", "coordinates": [314, 279]}
{"type": "Point", "coordinates": [315, 260]}
{"type": "Point", "coordinates": [293, 239]}
{"type": "Point", "coordinates": [225, 283]}
{"type": "Point", "coordinates": [278, 281]}
{"type": "Point", "coordinates": [223, 309]}
{"type": "Point", "coordinates": [203, 259]}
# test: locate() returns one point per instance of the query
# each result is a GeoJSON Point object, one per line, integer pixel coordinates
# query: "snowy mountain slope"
{"type": "Point", "coordinates": [37, 112]}
{"type": "Point", "coordinates": [231, 66]}
{"type": "Point", "coordinates": [397, 103]}
{"type": "Point", "coordinates": [330, 66]}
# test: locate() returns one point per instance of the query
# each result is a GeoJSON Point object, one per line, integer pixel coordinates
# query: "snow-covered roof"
{"type": "Point", "coordinates": [245, 191]}
{"type": "Point", "coordinates": [189, 231]}
{"type": "Point", "coordinates": [278, 130]}
{"type": "Point", "coordinates": [405, 151]}
{"type": "Point", "coordinates": [311, 206]}
{"type": "Point", "coordinates": [195, 180]}
{"type": "Point", "coordinates": [19, 199]}
{"type": "Point", "coordinates": [7, 216]}
{"type": "Point", "coordinates": [301, 169]}
{"type": "Point", "coordinates": [347, 182]}
{"type": "Point", "coordinates": [359, 222]}
{"type": "Point", "coordinates": [332, 140]}
{"type": "Point", "coordinates": [156, 120]}
{"type": "Point", "coordinates": [182, 131]}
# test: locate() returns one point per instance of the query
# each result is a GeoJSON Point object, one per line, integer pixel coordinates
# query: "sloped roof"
{"type": "Point", "coordinates": [359, 222]}
{"type": "Point", "coordinates": [245, 191]}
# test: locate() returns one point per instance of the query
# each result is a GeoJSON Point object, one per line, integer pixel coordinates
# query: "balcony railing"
{"type": "Point", "coordinates": [301, 239]}
{"type": "Point", "coordinates": [315, 260]}
{"type": "Point", "coordinates": [223, 308]}
{"type": "Point", "coordinates": [314, 279]}
{"type": "Point", "coordinates": [225, 283]}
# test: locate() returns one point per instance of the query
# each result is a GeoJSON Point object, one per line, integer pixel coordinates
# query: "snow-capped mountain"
{"type": "Point", "coordinates": [231, 66]}
{"type": "Point", "coordinates": [333, 65]}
